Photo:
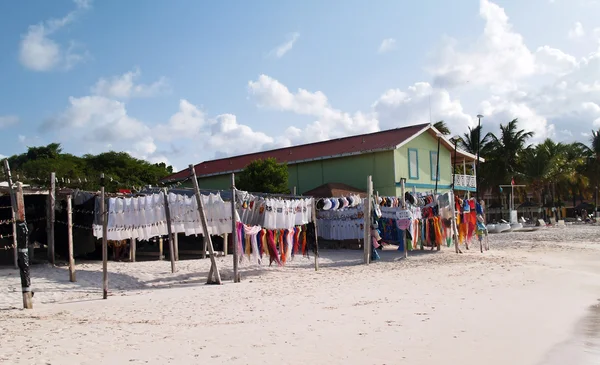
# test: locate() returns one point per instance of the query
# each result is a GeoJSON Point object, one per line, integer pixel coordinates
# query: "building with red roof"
{"type": "Point", "coordinates": [408, 152]}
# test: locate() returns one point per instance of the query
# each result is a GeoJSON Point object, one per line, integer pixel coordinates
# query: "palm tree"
{"type": "Point", "coordinates": [468, 142]}
{"type": "Point", "coordinates": [504, 155]}
{"type": "Point", "coordinates": [442, 128]}
{"type": "Point", "coordinates": [511, 143]}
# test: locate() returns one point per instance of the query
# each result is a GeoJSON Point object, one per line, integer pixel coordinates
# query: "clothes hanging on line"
{"type": "Point", "coordinates": [273, 213]}
{"type": "Point", "coordinates": [281, 245]}
{"type": "Point", "coordinates": [339, 225]}
{"type": "Point", "coordinates": [145, 217]}
{"type": "Point", "coordinates": [339, 230]}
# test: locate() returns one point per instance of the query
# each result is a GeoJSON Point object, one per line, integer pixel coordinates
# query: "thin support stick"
{"type": "Point", "coordinates": [367, 224]}
{"type": "Point", "coordinates": [70, 238]}
{"type": "Point", "coordinates": [314, 219]}
{"type": "Point", "coordinates": [132, 249]}
{"type": "Point", "coordinates": [104, 213]}
{"type": "Point", "coordinates": [236, 274]}
{"type": "Point", "coordinates": [51, 218]}
{"type": "Point", "coordinates": [402, 190]}
{"type": "Point", "coordinates": [176, 246]}
{"type": "Point", "coordinates": [214, 271]}
{"type": "Point", "coordinates": [170, 231]}
{"type": "Point", "coordinates": [23, 243]}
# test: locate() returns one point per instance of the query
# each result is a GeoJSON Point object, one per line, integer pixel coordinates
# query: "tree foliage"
{"type": "Point", "coordinates": [554, 172]}
{"type": "Point", "coordinates": [264, 176]}
{"type": "Point", "coordinates": [442, 128]}
{"type": "Point", "coordinates": [120, 169]}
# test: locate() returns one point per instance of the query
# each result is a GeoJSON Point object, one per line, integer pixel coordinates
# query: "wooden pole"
{"type": "Point", "coordinates": [51, 218]}
{"type": "Point", "coordinates": [160, 248]}
{"type": "Point", "coordinates": [236, 274]}
{"type": "Point", "coordinates": [176, 246]}
{"type": "Point", "coordinates": [170, 232]}
{"type": "Point", "coordinates": [208, 241]}
{"type": "Point", "coordinates": [403, 200]}
{"type": "Point", "coordinates": [104, 213]}
{"type": "Point", "coordinates": [225, 243]}
{"type": "Point", "coordinates": [23, 243]}
{"type": "Point", "coordinates": [314, 219]}
{"type": "Point", "coordinates": [132, 249]}
{"type": "Point", "coordinates": [70, 238]}
{"type": "Point", "coordinates": [13, 212]}
{"type": "Point", "coordinates": [367, 224]}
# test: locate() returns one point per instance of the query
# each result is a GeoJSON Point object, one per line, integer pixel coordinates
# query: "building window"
{"type": "Point", "coordinates": [433, 163]}
{"type": "Point", "coordinates": [413, 164]}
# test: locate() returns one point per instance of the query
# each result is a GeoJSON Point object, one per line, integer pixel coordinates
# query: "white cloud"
{"type": "Point", "coordinates": [421, 103]}
{"type": "Point", "coordinates": [39, 52]}
{"type": "Point", "coordinates": [188, 122]}
{"type": "Point", "coordinates": [228, 137]}
{"type": "Point", "coordinates": [21, 138]}
{"type": "Point", "coordinates": [124, 86]}
{"type": "Point", "coordinates": [502, 110]}
{"type": "Point", "coordinates": [577, 31]}
{"type": "Point", "coordinates": [285, 47]}
{"type": "Point", "coordinates": [554, 61]}
{"type": "Point", "coordinates": [387, 45]}
{"type": "Point", "coordinates": [331, 123]}
{"type": "Point", "coordinates": [8, 120]}
{"type": "Point", "coordinates": [498, 58]}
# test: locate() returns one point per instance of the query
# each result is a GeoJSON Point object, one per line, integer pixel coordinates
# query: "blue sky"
{"type": "Point", "coordinates": [186, 81]}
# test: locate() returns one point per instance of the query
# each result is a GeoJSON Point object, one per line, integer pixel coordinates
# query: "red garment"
{"type": "Point", "coordinates": [272, 248]}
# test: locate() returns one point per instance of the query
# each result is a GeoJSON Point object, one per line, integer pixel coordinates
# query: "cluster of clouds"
{"type": "Point", "coordinates": [554, 94]}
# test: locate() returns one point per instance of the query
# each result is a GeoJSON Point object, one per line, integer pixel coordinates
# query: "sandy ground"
{"type": "Point", "coordinates": [511, 305]}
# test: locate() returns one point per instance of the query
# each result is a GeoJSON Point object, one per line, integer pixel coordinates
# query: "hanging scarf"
{"type": "Point", "coordinates": [303, 237]}
{"type": "Point", "coordinates": [296, 240]}
{"type": "Point", "coordinates": [289, 243]}
{"type": "Point", "coordinates": [251, 242]}
{"type": "Point", "coordinates": [272, 248]}
{"type": "Point", "coordinates": [261, 247]}
{"type": "Point", "coordinates": [240, 248]}
{"type": "Point", "coordinates": [281, 245]}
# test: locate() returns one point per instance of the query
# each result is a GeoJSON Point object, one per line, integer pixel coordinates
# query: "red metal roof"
{"type": "Point", "coordinates": [363, 143]}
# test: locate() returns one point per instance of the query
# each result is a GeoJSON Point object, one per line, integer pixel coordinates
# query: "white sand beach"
{"type": "Point", "coordinates": [515, 304]}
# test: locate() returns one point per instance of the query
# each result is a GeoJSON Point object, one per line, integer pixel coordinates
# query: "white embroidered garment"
{"type": "Point", "coordinates": [144, 217]}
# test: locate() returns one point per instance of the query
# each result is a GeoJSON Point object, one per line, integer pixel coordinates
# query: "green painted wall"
{"type": "Point", "coordinates": [351, 170]}
{"type": "Point", "coordinates": [218, 182]}
{"type": "Point", "coordinates": [424, 145]}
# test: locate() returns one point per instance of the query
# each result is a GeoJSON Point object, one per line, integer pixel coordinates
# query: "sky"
{"type": "Point", "coordinates": [186, 81]}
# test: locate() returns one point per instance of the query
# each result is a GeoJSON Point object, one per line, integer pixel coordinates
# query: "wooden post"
{"type": "Point", "coordinates": [367, 224]}
{"type": "Point", "coordinates": [176, 246]}
{"type": "Point", "coordinates": [225, 243]}
{"type": "Point", "coordinates": [104, 213]}
{"type": "Point", "coordinates": [236, 274]}
{"type": "Point", "coordinates": [170, 231]}
{"type": "Point", "coordinates": [160, 248]}
{"type": "Point", "coordinates": [314, 219]}
{"type": "Point", "coordinates": [13, 212]}
{"type": "Point", "coordinates": [51, 217]}
{"type": "Point", "coordinates": [403, 200]}
{"type": "Point", "coordinates": [132, 249]}
{"type": "Point", "coordinates": [23, 243]}
{"type": "Point", "coordinates": [208, 241]}
{"type": "Point", "coordinates": [70, 238]}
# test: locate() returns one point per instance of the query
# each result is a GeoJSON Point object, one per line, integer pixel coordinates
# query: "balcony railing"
{"type": "Point", "coordinates": [465, 182]}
